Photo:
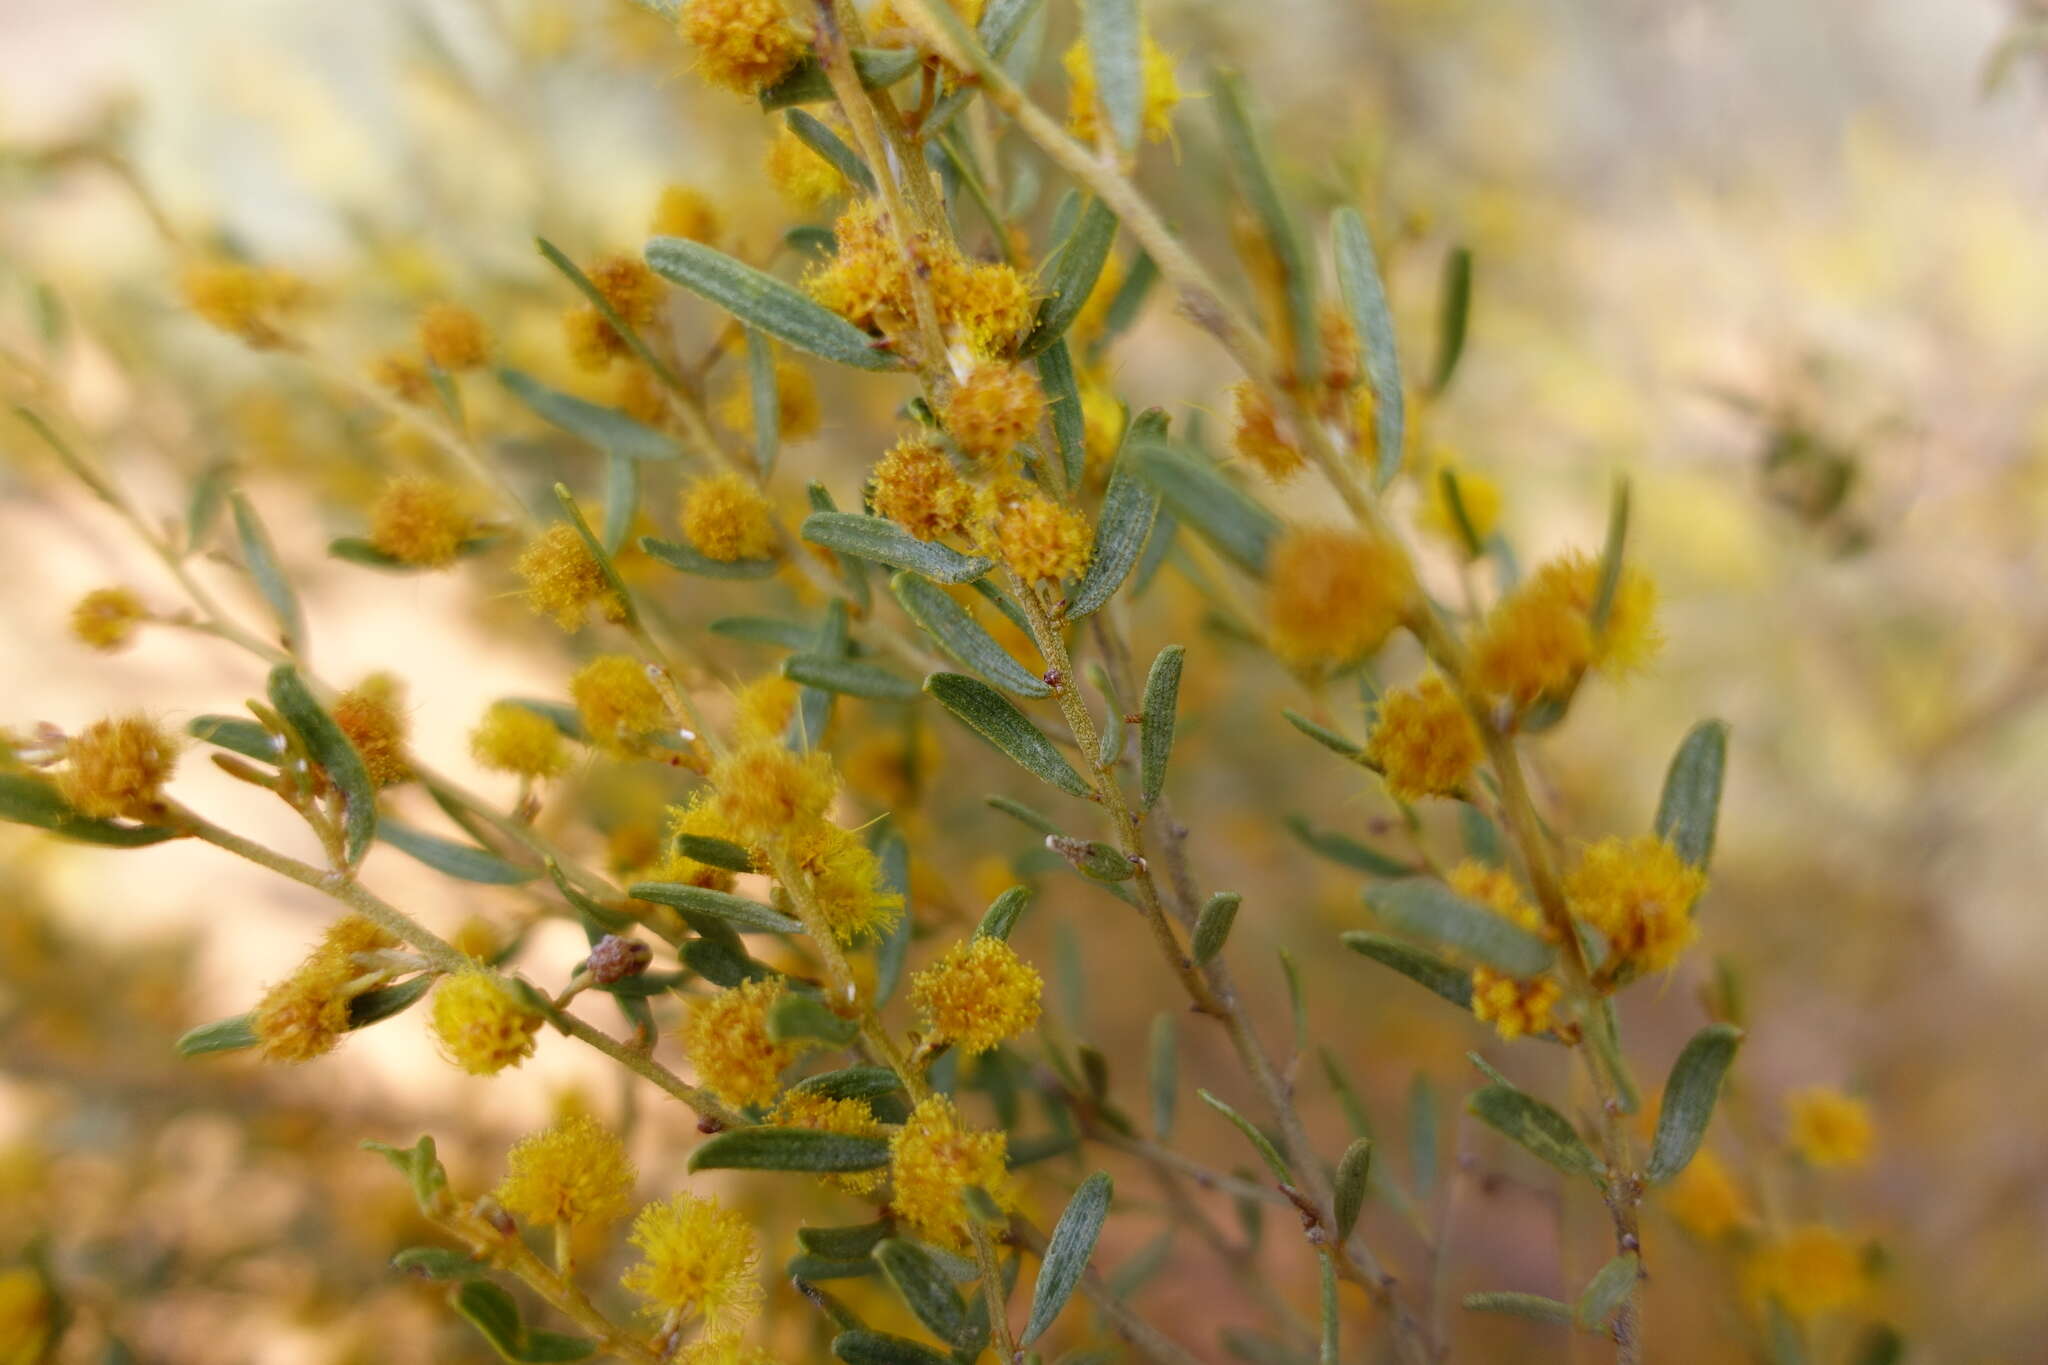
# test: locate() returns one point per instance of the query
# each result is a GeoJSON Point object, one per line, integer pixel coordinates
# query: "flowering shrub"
{"type": "Point", "coordinates": [755, 921]}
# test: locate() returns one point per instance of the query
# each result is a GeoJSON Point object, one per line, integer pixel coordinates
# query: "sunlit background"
{"type": "Point", "coordinates": [1781, 264]}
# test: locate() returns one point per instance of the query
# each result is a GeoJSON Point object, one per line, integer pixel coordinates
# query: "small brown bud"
{"type": "Point", "coordinates": [614, 959]}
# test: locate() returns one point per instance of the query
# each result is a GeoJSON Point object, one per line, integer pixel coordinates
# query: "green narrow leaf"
{"type": "Point", "coordinates": [1524, 1119]}
{"type": "Point", "coordinates": [678, 555]}
{"type": "Point", "coordinates": [1199, 494]}
{"type": "Point", "coordinates": [1297, 1002]}
{"type": "Point", "coordinates": [1480, 836]}
{"type": "Point", "coordinates": [1155, 744]}
{"type": "Point", "coordinates": [1212, 926]}
{"type": "Point", "coordinates": [464, 862]}
{"type": "Point", "coordinates": [861, 1347]}
{"type": "Point", "coordinates": [719, 853]}
{"type": "Point", "coordinates": [1454, 500]}
{"type": "Point", "coordinates": [1111, 30]}
{"type": "Point", "coordinates": [1612, 554]}
{"type": "Point", "coordinates": [1533, 1306]}
{"type": "Point", "coordinates": [356, 550]}
{"type": "Point", "coordinates": [765, 302]}
{"type": "Point", "coordinates": [884, 542]}
{"type": "Point", "coordinates": [1066, 1254]}
{"type": "Point", "coordinates": [1076, 265]}
{"type": "Point", "coordinates": [1689, 1098]}
{"type": "Point", "coordinates": [573, 514]}
{"type": "Point", "coordinates": [852, 571]}
{"type": "Point", "coordinates": [494, 1314]}
{"type": "Point", "coordinates": [1606, 1291]}
{"type": "Point", "coordinates": [1063, 403]}
{"type": "Point", "coordinates": [608, 429]}
{"type": "Point", "coordinates": [1365, 297]}
{"type": "Point", "coordinates": [1267, 1151]}
{"type": "Point", "coordinates": [878, 69]}
{"type": "Point", "coordinates": [209, 492]}
{"type": "Point", "coordinates": [852, 1083]}
{"type": "Point", "coordinates": [961, 636]}
{"type": "Point", "coordinates": [26, 799]}
{"type": "Point", "coordinates": [1129, 300]}
{"type": "Point", "coordinates": [331, 749]}
{"type": "Point", "coordinates": [827, 144]}
{"type": "Point", "coordinates": [1022, 813]}
{"type": "Point", "coordinates": [742, 914]}
{"type": "Point", "coordinates": [232, 1034]}
{"type": "Point", "coordinates": [374, 1007]}
{"type": "Point", "coordinates": [1430, 972]}
{"type": "Point", "coordinates": [892, 852]}
{"type": "Point", "coordinates": [1428, 909]}
{"type": "Point", "coordinates": [1245, 146]}
{"type": "Point", "coordinates": [814, 704]}
{"type": "Point", "coordinates": [1341, 848]}
{"type": "Point", "coordinates": [259, 557]}
{"type": "Point", "coordinates": [996, 719]}
{"type": "Point", "coordinates": [764, 630]}
{"type": "Point", "coordinates": [1453, 316]}
{"type": "Point", "coordinates": [926, 1291]}
{"type": "Point", "coordinates": [1130, 505]}
{"type": "Point", "coordinates": [1690, 807]}
{"type": "Point", "coordinates": [797, 1017]}
{"type": "Point", "coordinates": [439, 1263]}
{"type": "Point", "coordinates": [1329, 739]}
{"type": "Point", "coordinates": [852, 1243]}
{"type": "Point", "coordinates": [765, 396]}
{"type": "Point", "coordinates": [1354, 1176]}
{"type": "Point", "coordinates": [765, 1148]}
{"type": "Point", "coordinates": [421, 1168]}
{"type": "Point", "coordinates": [621, 499]}
{"type": "Point", "coordinates": [847, 676]}
{"type": "Point", "coordinates": [1163, 1064]}
{"type": "Point", "coordinates": [1002, 913]}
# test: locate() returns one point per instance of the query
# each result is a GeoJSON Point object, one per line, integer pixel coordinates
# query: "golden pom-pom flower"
{"type": "Point", "coordinates": [1162, 92]}
{"type": "Point", "coordinates": [932, 1158]}
{"type": "Point", "coordinates": [245, 301]}
{"type": "Point", "coordinates": [1425, 742]}
{"type": "Point", "coordinates": [513, 739]}
{"type": "Point", "coordinates": [803, 177]}
{"type": "Point", "coordinates": [699, 1261]}
{"type": "Point", "coordinates": [369, 715]}
{"type": "Point", "coordinates": [1037, 537]}
{"type": "Point", "coordinates": [844, 880]}
{"type": "Point", "coordinates": [304, 1015]}
{"type": "Point", "coordinates": [574, 1172]}
{"type": "Point", "coordinates": [403, 376]}
{"type": "Point", "coordinates": [916, 486]}
{"type": "Point", "coordinates": [1630, 638]}
{"type": "Point", "coordinates": [593, 343]}
{"type": "Point", "coordinates": [978, 995]}
{"type": "Point", "coordinates": [743, 45]}
{"type": "Point", "coordinates": [725, 518]}
{"type": "Point", "coordinates": [633, 291]}
{"type": "Point", "coordinates": [1258, 436]}
{"type": "Point", "coordinates": [847, 1117]}
{"type": "Point", "coordinates": [1830, 1128]}
{"type": "Point", "coordinates": [1808, 1271]}
{"type": "Point", "coordinates": [105, 618]}
{"type": "Point", "coordinates": [797, 414]}
{"type": "Point", "coordinates": [118, 766]}
{"type": "Point", "coordinates": [686, 211]}
{"type": "Point", "coordinates": [421, 522]}
{"type": "Point", "coordinates": [482, 1028]}
{"type": "Point", "coordinates": [1639, 893]}
{"type": "Point", "coordinates": [1514, 1006]}
{"type": "Point", "coordinates": [564, 580]}
{"type": "Point", "coordinates": [994, 410]}
{"type": "Point", "coordinates": [764, 790]}
{"type": "Point", "coordinates": [1705, 1199]}
{"type": "Point", "coordinates": [1539, 639]}
{"type": "Point", "coordinates": [618, 703]}
{"type": "Point", "coordinates": [726, 1036]}
{"type": "Point", "coordinates": [763, 708]}
{"type": "Point", "coordinates": [1333, 596]}
{"type": "Point", "coordinates": [989, 303]}
{"type": "Point", "coordinates": [452, 337]}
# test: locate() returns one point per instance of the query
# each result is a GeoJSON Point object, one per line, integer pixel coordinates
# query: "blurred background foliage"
{"type": "Point", "coordinates": [1779, 263]}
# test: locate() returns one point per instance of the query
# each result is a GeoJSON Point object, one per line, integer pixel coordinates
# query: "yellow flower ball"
{"type": "Point", "coordinates": [1258, 435]}
{"type": "Point", "coordinates": [421, 522]}
{"type": "Point", "coordinates": [726, 1037]}
{"type": "Point", "coordinates": [917, 487]}
{"type": "Point", "coordinates": [699, 1261]}
{"type": "Point", "coordinates": [453, 338]}
{"type": "Point", "coordinates": [685, 211]}
{"type": "Point", "coordinates": [105, 618]}
{"type": "Point", "coordinates": [725, 518]}
{"type": "Point", "coordinates": [564, 580]}
{"type": "Point", "coordinates": [118, 767]}
{"type": "Point", "coordinates": [1425, 742]}
{"type": "Point", "coordinates": [575, 1172]}
{"type": "Point", "coordinates": [513, 739]}
{"type": "Point", "coordinates": [482, 1028]}
{"type": "Point", "coordinates": [1830, 1128]}
{"type": "Point", "coordinates": [1809, 1271]}
{"type": "Point", "coordinates": [1705, 1199]}
{"type": "Point", "coordinates": [765, 790]}
{"type": "Point", "coordinates": [743, 45]}
{"type": "Point", "coordinates": [1038, 538]}
{"type": "Point", "coordinates": [1638, 893]}
{"type": "Point", "coordinates": [369, 715]}
{"type": "Point", "coordinates": [994, 410]}
{"type": "Point", "coordinates": [978, 995]}
{"type": "Point", "coordinates": [844, 880]}
{"type": "Point", "coordinates": [1333, 596]}
{"type": "Point", "coordinates": [618, 704]}
{"type": "Point", "coordinates": [932, 1158]}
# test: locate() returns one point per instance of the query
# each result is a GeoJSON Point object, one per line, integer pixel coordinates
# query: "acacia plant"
{"type": "Point", "coordinates": [988, 572]}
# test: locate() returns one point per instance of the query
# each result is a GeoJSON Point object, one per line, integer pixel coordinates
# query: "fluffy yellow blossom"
{"type": "Point", "coordinates": [804, 178]}
{"type": "Point", "coordinates": [1162, 92]}
{"type": "Point", "coordinates": [618, 703]}
{"type": "Point", "coordinates": [1639, 893]}
{"type": "Point", "coordinates": [118, 766]}
{"type": "Point", "coordinates": [1514, 1006]}
{"type": "Point", "coordinates": [564, 580]}
{"type": "Point", "coordinates": [726, 1037]}
{"type": "Point", "coordinates": [632, 290]}
{"type": "Point", "coordinates": [845, 880]}
{"type": "Point", "coordinates": [1630, 638]}
{"type": "Point", "coordinates": [481, 1027]}
{"type": "Point", "coordinates": [1258, 435]}
{"type": "Point", "coordinates": [724, 1348]}
{"type": "Point", "coordinates": [701, 818]}
{"type": "Point", "coordinates": [369, 715]}
{"type": "Point", "coordinates": [1706, 1201]}
{"type": "Point", "coordinates": [1541, 637]}
{"type": "Point", "coordinates": [1037, 537]}
{"type": "Point", "coordinates": [932, 1158]}
{"type": "Point", "coordinates": [246, 301]}
{"type": "Point", "coordinates": [728, 520]}
{"type": "Point", "coordinates": [994, 410]}
{"type": "Point", "coordinates": [1830, 1128]}
{"type": "Point", "coordinates": [402, 375]}
{"type": "Point", "coordinates": [850, 1118]}
{"type": "Point", "coordinates": [1333, 596]}
{"type": "Point", "coordinates": [452, 337]}
{"type": "Point", "coordinates": [742, 45]}
{"type": "Point", "coordinates": [512, 739]}
{"type": "Point", "coordinates": [990, 303]}
{"type": "Point", "coordinates": [592, 342]}
{"type": "Point", "coordinates": [1477, 494]}
{"type": "Point", "coordinates": [28, 1316]}
{"type": "Point", "coordinates": [865, 281]}
{"type": "Point", "coordinates": [574, 1172]}
{"type": "Point", "coordinates": [764, 790]}
{"type": "Point", "coordinates": [797, 414]}
{"type": "Point", "coordinates": [762, 708]}
{"type": "Point", "coordinates": [1425, 742]}
{"type": "Point", "coordinates": [685, 211]}
{"type": "Point", "coordinates": [304, 1016]}
{"type": "Point", "coordinates": [698, 1261]}
{"type": "Point", "coordinates": [916, 486]}
{"type": "Point", "coordinates": [421, 522]}
{"type": "Point", "coordinates": [105, 618]}
{"type": "Point", "coordinates": [978, 995]}
{"type": "Point", "coordinates": [1809, 1271]}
